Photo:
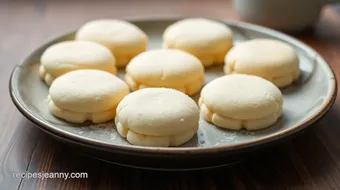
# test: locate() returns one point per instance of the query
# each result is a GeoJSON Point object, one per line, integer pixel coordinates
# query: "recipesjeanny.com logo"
{"type": "Point", "coordinates": [51, 175]}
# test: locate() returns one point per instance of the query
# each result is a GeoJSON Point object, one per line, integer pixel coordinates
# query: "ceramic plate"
{"type": "Point", "coordinates": [304, 102]}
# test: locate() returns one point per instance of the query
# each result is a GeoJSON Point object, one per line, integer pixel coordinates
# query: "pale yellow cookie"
{"type": "Point", "coordinates": [165, 68]}
{"type": "Point", "coordinates": [67, 56]}
{"type": "Point", "coordinates": [241, 101]}
{"type": "Point", "coordinates": [83, 95]}
{"type": "Point", "coordinates": [157, 117]}
{"type": "Point", "coordinates": [273, 60]}
{"type": "Point", "coordinates": [124, 39]}
{"type": "Point", "coordinates": [206, 39]}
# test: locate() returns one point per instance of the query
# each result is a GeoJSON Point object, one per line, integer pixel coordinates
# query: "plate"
{"type": "Point", "coordinates": [305, 101]}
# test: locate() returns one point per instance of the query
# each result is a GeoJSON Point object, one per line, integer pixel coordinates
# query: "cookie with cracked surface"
{"type": "Point", "coordinates": [167, 68]}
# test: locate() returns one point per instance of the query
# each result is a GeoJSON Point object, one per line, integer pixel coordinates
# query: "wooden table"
{"type": "Point", "coordinates": [310, 161]}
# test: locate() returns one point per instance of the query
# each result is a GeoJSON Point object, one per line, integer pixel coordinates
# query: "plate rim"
{"type": "Point", "coordinates": [325, 107]}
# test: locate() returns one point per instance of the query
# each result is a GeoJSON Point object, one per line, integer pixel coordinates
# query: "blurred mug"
{"type": "Point", "coordinates": [286, 15]}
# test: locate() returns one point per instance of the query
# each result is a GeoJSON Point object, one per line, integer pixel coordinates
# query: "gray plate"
{"type": "Point", "coordinates": [304, 102]}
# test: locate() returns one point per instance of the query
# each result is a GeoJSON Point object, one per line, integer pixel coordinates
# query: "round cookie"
{"type": "Point", "coordinates": [273, 60]}
{"type": "Point", "coordinates": [86, 94]}
{"type": "Point", "coordinates": [67, 56]}
{"type": "Point", "coordinates": [206, 39]}
{"type": "Point", "coordinates": [165, 68]}
{"type": "Point", "coordinates": [124, 39]}
{"type": "Point", "coordinates": [241, 101]}
{"type": "Point", "coordinates": [157, 117]}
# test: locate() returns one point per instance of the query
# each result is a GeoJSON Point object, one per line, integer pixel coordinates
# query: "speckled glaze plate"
{"type": "Point", "coordinates": [304, 102]}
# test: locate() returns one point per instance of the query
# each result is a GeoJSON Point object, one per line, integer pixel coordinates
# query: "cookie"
{"type": "Point", "coordinates": [241, 101]}
{"type": "Point", "coordinates": [165, 68]}
{"type": "Point", "coordinates": [67, 56]}
{"type": "Point", "coordinates": [206, 39]}
{"type": "Point", "coordinates": [124, 39]}
{"type": "Point", "coordinates": [273, 60]}
{"type": "Point", "coordinates": [157, 117]}
{"type": "Point", "coordinates": [83, 95]}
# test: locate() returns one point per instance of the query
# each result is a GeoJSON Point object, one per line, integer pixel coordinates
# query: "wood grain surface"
{"type": "Point", "coordinates": [309, 161]}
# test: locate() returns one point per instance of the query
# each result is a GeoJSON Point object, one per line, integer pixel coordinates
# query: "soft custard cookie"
{"type": "Point", "coordinates": [241, 101]}
{"type": "Point", "coordinates": [157, 117]}
{"type": "Point", "coordinates": [273, 60]}
{"type": "Point", "coordinates": [86, 94]}
{"type": "Point", "coordinates": [165, 68]}
{"type": "Point", "coordinates": [206, 39]}
{"type": "Point", "coordinates": [68, 56]}
{"type": "Point", "coordinates": [124, 39]}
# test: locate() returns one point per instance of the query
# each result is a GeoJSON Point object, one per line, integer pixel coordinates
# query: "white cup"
{"type": "Point", "coordinates": [286, 15]}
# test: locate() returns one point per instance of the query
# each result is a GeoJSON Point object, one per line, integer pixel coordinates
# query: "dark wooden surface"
{"type": "Point", "coordinates": [310, 161]}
